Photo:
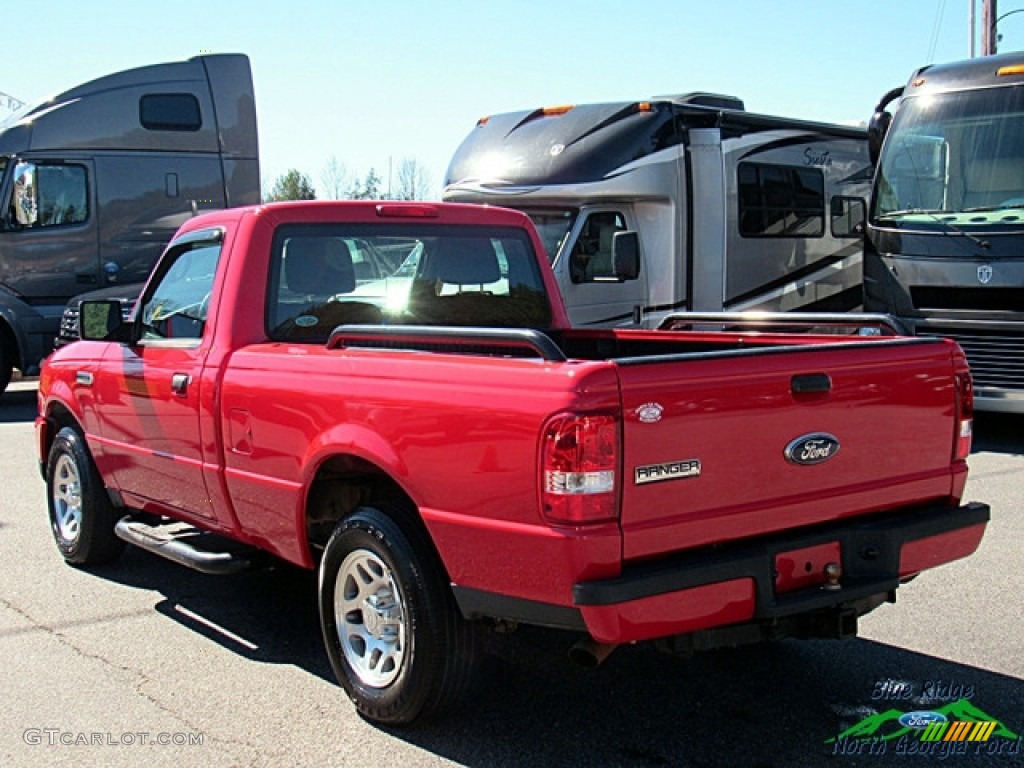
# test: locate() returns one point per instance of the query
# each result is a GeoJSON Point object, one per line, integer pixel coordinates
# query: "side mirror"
{"type": "Point", "coordinates": [24, 203]}
{"type": "Point", "coordinates": [878, 126]}
{"type": "Point", "coordinates": [626, 255]}
{"type": "Point", "coordinates": [102, 321]}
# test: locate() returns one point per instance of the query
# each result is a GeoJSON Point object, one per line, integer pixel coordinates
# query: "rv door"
{"type": "Point", "coordinates": [595, 293]}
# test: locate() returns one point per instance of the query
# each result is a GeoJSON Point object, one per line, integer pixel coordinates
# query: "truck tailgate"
{"type": "Point", "coordinates": [724, 446]}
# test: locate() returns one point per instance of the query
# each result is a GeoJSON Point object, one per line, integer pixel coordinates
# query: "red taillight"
{"type": "Point", "coordinates": [964, 416]}
{"type": "Point", "coordinates": [579, 461]}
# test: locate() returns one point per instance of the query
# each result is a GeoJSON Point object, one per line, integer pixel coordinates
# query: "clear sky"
{"type": "Point", "coordinates": [373, 83]}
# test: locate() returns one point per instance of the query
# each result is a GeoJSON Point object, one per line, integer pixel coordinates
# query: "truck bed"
{"type": "Point", "coordinates": [709, 416]}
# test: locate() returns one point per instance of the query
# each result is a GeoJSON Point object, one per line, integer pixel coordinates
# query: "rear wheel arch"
{"type": "Point", "coordinates": [342, 484]}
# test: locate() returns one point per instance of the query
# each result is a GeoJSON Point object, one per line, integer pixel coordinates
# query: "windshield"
{"type": "Point", "coordinates": [553, 226]}
{"type": "Point", "coordinates": [954, 160]}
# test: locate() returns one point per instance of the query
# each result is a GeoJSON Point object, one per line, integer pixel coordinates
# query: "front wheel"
{"type": "Point", "coordinates": [393, 634]}
{"type": "Point", "coordinates": [81, 514]}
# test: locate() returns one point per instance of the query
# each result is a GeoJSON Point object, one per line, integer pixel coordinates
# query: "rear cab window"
{"type": "Point", "coordinates": [323, 276]}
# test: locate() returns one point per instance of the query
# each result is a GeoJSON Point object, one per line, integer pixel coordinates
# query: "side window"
{"type": "Point", "coordinates": [177, 306]}
{"type": "Point", "coordinates": [49, 194]}
{"type": "Point", "coordinates": [847, 216]}
{"type": "Point", "coordinates": [591, 257]}
{"type": "Point", "coordinates": [781, 201]}
{"type": "Point", "coordinates": [170, 112]}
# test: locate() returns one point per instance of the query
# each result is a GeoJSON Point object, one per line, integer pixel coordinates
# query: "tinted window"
{"type": "Point", "coordinates": [781, 201]}
{"type": "Point", "coordinates": [848, 216]}
{"type": "Point", "coordinates": [170, 112]}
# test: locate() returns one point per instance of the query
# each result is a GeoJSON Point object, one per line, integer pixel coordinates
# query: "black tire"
{"type": "Point", "coordinates": [410, 654]}
{"type": "Point", "coordinates": [82, 516]}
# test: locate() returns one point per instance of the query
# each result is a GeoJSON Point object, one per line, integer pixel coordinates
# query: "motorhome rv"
{"type": "Point", "coordinates": [944, 251]}
{"type": "Point", "coordinates": [678, 203]}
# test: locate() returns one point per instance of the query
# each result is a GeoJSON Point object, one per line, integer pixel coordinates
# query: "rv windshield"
{"type": "Point", "coordinates": [553, 225]}
{"type": "Point", "coordinates": [954, 161]}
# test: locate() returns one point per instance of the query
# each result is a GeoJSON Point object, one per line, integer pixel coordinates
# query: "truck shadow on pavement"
{"type": "Point", "coordinates": [18, 406]}
{"type": "Point", "coordinates": [268, 615]}
{"type": "Point", "coordinates": [770, 705]}
{"type": "Point", "coordinates": [999, 433]}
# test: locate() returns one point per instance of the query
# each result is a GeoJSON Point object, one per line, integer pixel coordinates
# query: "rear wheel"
{"type": "Point", "coordinates": [81, 515]}
{"type": "Point", "coordinates": [392, 631]}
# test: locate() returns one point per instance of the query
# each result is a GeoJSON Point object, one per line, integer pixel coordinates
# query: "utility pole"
{"type": "Point", "coordinates": [989, 16]}
{"type": "Point", "coordinates": [972, 28]}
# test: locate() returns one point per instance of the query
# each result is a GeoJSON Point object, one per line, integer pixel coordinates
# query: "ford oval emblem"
{"type": "Point", "coordinates": [649, 413]}
{"type": "Point", "coordinates": [812, 449]}
{"type": "Point", "coordinates": [921, 719]}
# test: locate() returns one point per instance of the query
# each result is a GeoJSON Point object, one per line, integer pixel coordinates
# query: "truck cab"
{"type": "Point", "coordinates": [95, 181]}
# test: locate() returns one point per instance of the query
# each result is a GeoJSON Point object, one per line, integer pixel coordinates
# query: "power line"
{"type": "Point", "coordinates": [936, 27]}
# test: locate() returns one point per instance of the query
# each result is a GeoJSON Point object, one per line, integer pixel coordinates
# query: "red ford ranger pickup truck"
{"type": "Point", "coordinates": [391, 394]}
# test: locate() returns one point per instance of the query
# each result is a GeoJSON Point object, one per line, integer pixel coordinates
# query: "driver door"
{"type": "Point", "coordinates": [594, 296]}
{"type": "Point", "coordinates": [149, 394]}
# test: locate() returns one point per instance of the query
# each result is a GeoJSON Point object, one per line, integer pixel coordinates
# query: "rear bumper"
{"type": "Point", "coordinates": [737, 583]}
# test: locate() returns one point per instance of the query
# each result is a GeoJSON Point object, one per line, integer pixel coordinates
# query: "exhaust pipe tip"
{"type": "Point", "coordinates": [588, 653]}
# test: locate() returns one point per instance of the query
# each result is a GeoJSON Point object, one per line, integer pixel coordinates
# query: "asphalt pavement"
{"type": "Point", "coordinates": [147, 663]}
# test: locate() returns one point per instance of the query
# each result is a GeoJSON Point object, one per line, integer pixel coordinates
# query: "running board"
{"type": "Point", "coordinates": [184, 544]}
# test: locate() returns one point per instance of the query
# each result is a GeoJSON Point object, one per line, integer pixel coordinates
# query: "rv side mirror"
{"type": "Point", "coordinates": [878, 126]}
{"type": "Point", "coordinates": [102, 321]}
{"type": "Point", "coordinates": [626, 255]}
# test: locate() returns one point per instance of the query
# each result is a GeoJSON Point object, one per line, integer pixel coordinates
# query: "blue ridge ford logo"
{"type": "Point", "coordinates": [812, 449]}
